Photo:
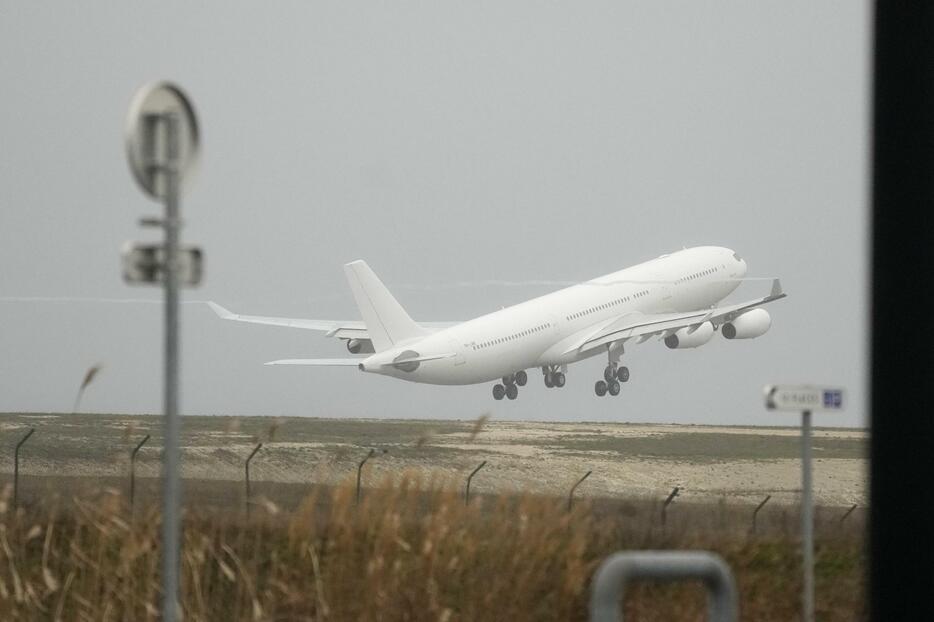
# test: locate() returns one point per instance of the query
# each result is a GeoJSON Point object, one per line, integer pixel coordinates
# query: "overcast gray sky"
{"type": "Point", "coordinates": [443, 142]}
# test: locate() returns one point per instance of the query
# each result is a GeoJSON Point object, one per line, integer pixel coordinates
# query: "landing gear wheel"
{"type": "Point", "coordinates": [613, 388]}
{"type": "Point", "coordinates": [512, 391]}
{"type": "Point", "coordinates": [609, 374]}
{"type": "Point", "coordinates": [510, 379]}
{"type": "Point", "coordinates": [521, 378]}
{"type": "Point", "coordinates": [559, 379]}
{"type": "Point", "coordinates": [622, 374]}
{"type": "Point", "coordinates": [549, 380]}
{"type": "Point", "coordinates": [499, 391]}
{"type": "Point", "coordinates": [600, 388]}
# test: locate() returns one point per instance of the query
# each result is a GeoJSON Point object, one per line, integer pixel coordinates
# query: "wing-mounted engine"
{"type": "Point", "coordinates": [360, 346]}
{"type": "Point", "coordinates": [690, 337]}
{"type": "Point", "coordinates": [749, 325]}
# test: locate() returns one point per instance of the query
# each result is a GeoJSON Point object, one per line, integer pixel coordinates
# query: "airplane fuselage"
{"type": "Point", "coordinates": [541, 331]}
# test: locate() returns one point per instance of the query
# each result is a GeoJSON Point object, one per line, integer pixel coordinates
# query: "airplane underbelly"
{"type": "Point", "coordinates": [477, 367]}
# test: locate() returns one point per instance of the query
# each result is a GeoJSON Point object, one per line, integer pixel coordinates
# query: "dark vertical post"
{"type": "Point", "coordinates": [671, 497]}
{"type": "Point", "coordinates": [755, 512]}
{"type": "Point", "coordinates": [16, 466]}
{"type": "Point", "coordinates": [807, 520]}
{"type": "Point", "coordinates": [848, 512]}
{"type": "Point", "coordinates": [171, 486]}
{"type": "Point", "coordinates": [133, 469]}
{"type": "Point", "coordinates": [901, 528]}
{"type": "Point", "coordinates": [469, 478]}
{"type": "Point", "coordinates": [360, 472]}
{"type": "Point", "coordinates": [574, 487]}
{"type": "Point", "coordinates": [246, 468]}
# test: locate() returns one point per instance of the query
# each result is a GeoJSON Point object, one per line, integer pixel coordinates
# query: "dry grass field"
{"type": "Point", "coordinates": [740, 465]}
{"type": "Point", "coordinates": [412, 549]}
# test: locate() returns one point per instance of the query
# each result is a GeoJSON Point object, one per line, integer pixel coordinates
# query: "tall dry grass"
{"type": "Point", "coordinates": [410, 551]}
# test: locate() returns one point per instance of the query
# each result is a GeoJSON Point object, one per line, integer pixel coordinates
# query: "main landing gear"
{"type": "Point", "coordinates": [613, 375]}
{"type": "Point", "coordinates": [510, 386]}
{"type": "Point", "coordinates": [554, 377]}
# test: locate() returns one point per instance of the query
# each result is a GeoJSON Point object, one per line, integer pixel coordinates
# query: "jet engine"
{"type": "Point", "coordinates": [686, 339]}
{"type": "Point", "coordinates": [748, 325]}
{"type": "Point", "coordinates": [360, 346]}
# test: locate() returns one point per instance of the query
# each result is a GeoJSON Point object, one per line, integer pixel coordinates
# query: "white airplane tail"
{"type": "Point", "coordinates": [386, 321]}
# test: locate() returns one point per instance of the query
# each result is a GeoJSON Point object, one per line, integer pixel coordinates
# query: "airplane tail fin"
{"type": "Point", "coordinates": [386, 321]}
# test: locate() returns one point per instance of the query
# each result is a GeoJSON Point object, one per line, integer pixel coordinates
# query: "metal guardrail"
{"type": "Point", "coordinates": [620, 569]}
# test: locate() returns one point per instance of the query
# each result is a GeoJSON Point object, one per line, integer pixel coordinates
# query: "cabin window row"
{"type": "Point", "coordinates": [607, 305]}
{"type": "Point", "coordinates": [697, 275]}
{"type": "Point", "coordinates": [513, 337]}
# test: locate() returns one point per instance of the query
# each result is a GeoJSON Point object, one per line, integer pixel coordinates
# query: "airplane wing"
{"type": "Point", "coordinates": [342, 329]}
{"type": "Point", "coordinates": [319, 362]}
{"type": "Point", "coordinates": [645, 326]}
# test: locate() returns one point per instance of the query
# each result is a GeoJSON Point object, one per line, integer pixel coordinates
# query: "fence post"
{"type": "Point", "coordinates": [133, 469]}
{"type": "Point", "coordinates": [755, 512]}
{"type": "Point", "coordinates": [574, 487]}
{"type": "Point", "coordinates": [246, 468]}
{"type": "Point", "coordinates": [470, 477]}
{"type": "Point", "coordinates": [671, 497]}
{"type": "Point", "coordinates": [16, 467]}
{"type": "Point", "coordinates": [618, 570]}
{"type": "Point", "coordinates": [360, 472]}
{"type": "Point", "coordinates": [848, 512]}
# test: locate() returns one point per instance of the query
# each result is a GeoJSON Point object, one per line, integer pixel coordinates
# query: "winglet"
{"type": "Point", "coordinates": [776, 288]}
{"type": "Point", "coordinates": [221, 311]}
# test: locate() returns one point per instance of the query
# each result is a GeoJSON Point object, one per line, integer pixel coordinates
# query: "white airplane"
{"type": "Point", "coordinates": [674, 297]}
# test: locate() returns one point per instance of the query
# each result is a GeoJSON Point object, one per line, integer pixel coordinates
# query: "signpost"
{"type": "Point", "coordinates": [162, 149]}
{"type": "Point", "coordinates": [805, 399]}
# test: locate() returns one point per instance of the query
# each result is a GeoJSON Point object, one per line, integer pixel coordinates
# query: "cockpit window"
{"type": "Point", "coordinates": [737, 257]}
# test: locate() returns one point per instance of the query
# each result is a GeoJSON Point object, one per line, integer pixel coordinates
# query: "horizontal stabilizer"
{"type": "Point", "coordinates": [322, 325]}
{"type": "Point", "coordinates": [319, 362]}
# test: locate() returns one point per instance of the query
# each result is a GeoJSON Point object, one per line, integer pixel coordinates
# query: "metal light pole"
{"type": "Point", "coordinates": [807, 520]}
{"type": "Point", "coordinates": [133, 469]}
{"type": "Point", "coordinates": [16, 466]}
{"type": "Point", "coordinates": [171, 487]}
{"type": "Point", "coordinates": [162, 148]}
